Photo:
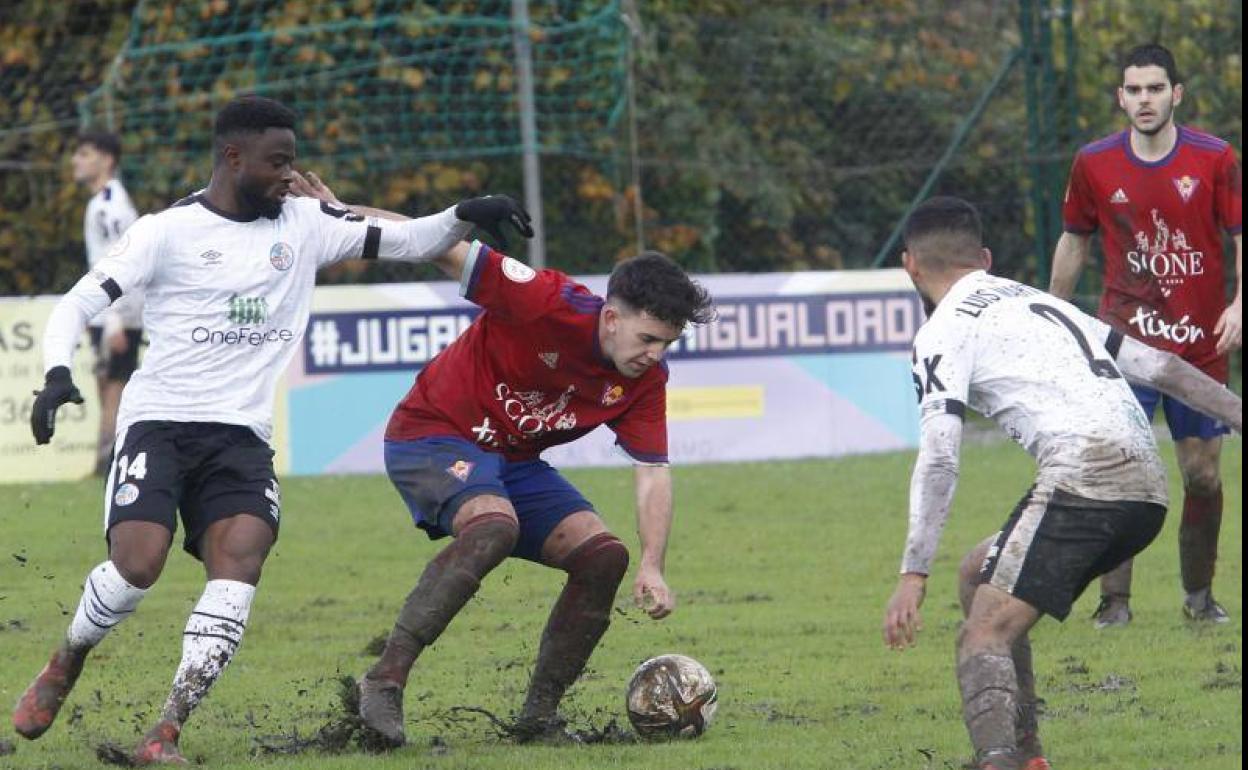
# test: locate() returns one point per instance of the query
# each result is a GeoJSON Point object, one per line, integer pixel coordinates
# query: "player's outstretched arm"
{"type": "Point", "coordinates": [654, 523]}
{"type": "Point", "coordinates": [1069, 257]}
{"type": "Point", "coordinates": [1175, 377]}
{"type": "Point", "coordinates": [932, 486]}
{"type": "Point", "coordinates": [437, 238]}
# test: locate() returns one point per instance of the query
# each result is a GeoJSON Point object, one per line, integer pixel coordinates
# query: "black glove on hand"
{"type": "Point", "coordinates": [58, 389]}
{"type": "Point", "coordinates": [490, 212]}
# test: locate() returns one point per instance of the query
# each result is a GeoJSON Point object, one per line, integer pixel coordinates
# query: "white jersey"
{"type": "Point", "coordinates": [109, 214]}
{"type": "Point", "coordinates": [228, 300]}
{"type": "Point", "coordinates": [1040, 369]}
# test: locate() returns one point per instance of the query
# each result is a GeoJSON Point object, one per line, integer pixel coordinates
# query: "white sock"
{"type": "Point", "coordinates": [213, 633]}
{"type": "Point", "coordinates": [107, 599]}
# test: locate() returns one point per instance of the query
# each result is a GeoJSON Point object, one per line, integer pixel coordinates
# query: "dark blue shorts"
{"type": "Point", "coordinates": [437, 475]}
{"type": "Point", "coordinates": [1184, 421]}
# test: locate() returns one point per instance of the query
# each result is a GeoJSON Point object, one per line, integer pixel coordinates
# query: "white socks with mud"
{"type": "Point", "coordinates": [212, 635]}
{"type": "Point", "coordinates": [107, 599]}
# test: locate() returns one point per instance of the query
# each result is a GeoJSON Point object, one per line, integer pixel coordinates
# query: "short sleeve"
{"type": "Point", "coordinates": [642, 430]}
{"type": "Point", "coordinates": [511, 290]}
{"type": "Point", "coordinates": [1079, 206]}
{"type": "Point", "coordinates": [131, 262]}
{"type": "Point", "coordinates": [942, 365]}
{"type": "Point", "coordinates": [1228, 193]}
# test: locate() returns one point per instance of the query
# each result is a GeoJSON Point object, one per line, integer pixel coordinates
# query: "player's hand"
{"type": "Point", "coordinates": [118, 344]}
{"type": "Point", "coordinates": [902, 620]}
{"type": "Point", "coordinates": [650, 593]}
{"type": "Point", "coordinates": [309, 185]}
{"type": "Point", "coordinates": [1229, 329]}
{"type": "Point", "coordinates": [58, 389]}
{"type": "Point", "coordinates": [489, 214]}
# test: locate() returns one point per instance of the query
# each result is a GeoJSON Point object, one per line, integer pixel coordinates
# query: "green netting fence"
{"type": "Point", "coordinates": [768, 136]}
{"type": "Point", "coordinates": [380, 84]}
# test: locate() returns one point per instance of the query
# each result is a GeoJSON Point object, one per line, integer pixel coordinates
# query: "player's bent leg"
{"type": "Point", "coordinates": [233, 550]}
{"type": "Point", "coordinates": [1199, 463]}
{"type": "Point", "coordinates": [485, 530]}
{"type": "Point", "coordinates": [110, 594]}
{"type": "Point", "coordinates": [596, 562]}
{"type": "Point", "coordinates": [987, 676]}
{"type": "Point", "coordinates": [1027, 729]}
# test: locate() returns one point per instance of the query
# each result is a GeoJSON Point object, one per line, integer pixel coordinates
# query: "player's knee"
{"type": "Point", "coordinates": [139, 570]}
{"type": "Point", "coordinates": [492, 536]}
{"type": "Point", "coordinates": [1203, 481]}
{"type": "Point", "coordinates": [602, 559]}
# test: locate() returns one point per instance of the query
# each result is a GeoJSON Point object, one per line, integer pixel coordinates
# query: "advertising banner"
{"type": "Point", "coordinates": [797, 365]}
{"type": "Point", "coordinates": [71, 455]}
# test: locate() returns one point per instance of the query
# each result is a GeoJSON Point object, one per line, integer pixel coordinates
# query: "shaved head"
{"type": "Point", "coordinates": [945, 232]}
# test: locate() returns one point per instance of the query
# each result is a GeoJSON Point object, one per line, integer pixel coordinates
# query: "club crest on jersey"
{"type": "Point", "coordinates": [281, 256]}
{"type": "Point", "coordinates": [460, 469]}
{"type": "Point", "coordinates": [1118, 197]}
{"type": "Point", "coordinates": [126, 494]}
{"type": "Point", "coordinates": [517, 271]}
{"type": "Point", "coordinates": [1186, 187]}
{"type": "Point", "coordinates": [550, 359]}
{"type": "Point", "coordinates": [611, 394]}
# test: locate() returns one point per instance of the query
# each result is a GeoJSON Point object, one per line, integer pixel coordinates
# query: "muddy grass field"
{"type": "Point", "coordinates": [782, 571]}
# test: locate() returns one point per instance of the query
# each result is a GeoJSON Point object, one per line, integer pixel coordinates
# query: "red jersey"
{"type": "Point", "coordinates": [529, 373]}
{"type": "Point", "coordinates": [1161, 229]}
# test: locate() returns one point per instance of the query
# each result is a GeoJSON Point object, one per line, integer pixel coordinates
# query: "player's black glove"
{"type": "Point", "coordinates": [489, 213]}
{"type": "Point", "coordinates": [58, 389]}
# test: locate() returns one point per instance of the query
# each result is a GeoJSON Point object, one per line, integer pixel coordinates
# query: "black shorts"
{"type": "Point", "coordinates": [1056, 543]}
{"type": "Point", "coordinates": [116, 367]}
{"type": "Point", "coordinates": [207, 471]}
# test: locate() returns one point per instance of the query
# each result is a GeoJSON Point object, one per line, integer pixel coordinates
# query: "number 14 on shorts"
{"type": "Point", "coordinates": [136, 469]}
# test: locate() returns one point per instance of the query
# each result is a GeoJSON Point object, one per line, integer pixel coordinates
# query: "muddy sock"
{"type": "Point", "coordinates": [1198, 539]}
{"type": "Point", "coordinates": [212, 635]}
{"type": "Point", "coordinates": [579, 619]}
{"type": "Point", "coordinates": [446, 585]}
{"type": "Point", "coordinates": [107, 599]}
{"type": "Point", "coordinates": [1027, 729]}
{"type": "Point", "coordinates": [1116, 584]}
{"type": "Point", "coordinates": [990, 703]}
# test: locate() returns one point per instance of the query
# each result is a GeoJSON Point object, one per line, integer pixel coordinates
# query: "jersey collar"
{"type": "Point", "coordinates": [202, 200]}
{"type": "Point", "coordinates": [1179, 134]}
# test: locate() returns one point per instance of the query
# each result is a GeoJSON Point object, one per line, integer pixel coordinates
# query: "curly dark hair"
{"type": "Point", "coordinates": [653, 283]}
{"type": "Point", "coordinates": [249, 115]}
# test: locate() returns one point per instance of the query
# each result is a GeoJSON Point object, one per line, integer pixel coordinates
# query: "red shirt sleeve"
{"type": "Point", "coordinates": [642, 430]}
{"type": "Point", "coordinates": [1079, 208]}
{"type": "Point", "coordinates": [1228, 193]}
{"type": "Point", "coordinates": [511, 290]}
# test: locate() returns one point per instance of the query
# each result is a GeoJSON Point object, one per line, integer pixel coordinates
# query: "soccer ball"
{"type": "Point", "coordinates": [671, 696]}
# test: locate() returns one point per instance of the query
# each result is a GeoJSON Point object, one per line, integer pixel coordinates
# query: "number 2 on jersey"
{"type": "Point", "coordinates": [1100, 367]}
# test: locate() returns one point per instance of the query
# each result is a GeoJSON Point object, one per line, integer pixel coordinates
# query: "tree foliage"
{"type": "Point", "coordinates": [772, 136]}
